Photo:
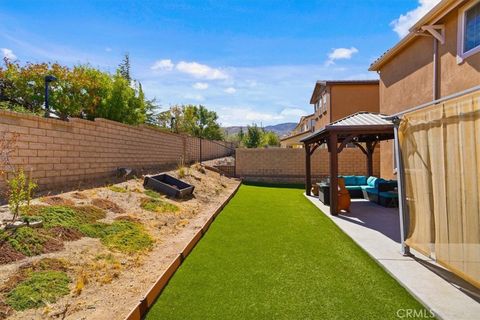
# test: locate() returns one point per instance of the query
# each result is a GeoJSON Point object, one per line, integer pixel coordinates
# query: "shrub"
{"type": "Point", "coordinates": [20, 192]}
{"type": "Point", "coordinates": [38, 288]}
{"type": "Point", "coordinates": [182, 170]}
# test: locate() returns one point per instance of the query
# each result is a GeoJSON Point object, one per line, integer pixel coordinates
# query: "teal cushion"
{"type": "Point", "coordinates": [361, 180]}
{"type": "Point", "coordinates": [353, 187]}
{"type": "Point", "coordinates": [371, 181]}
{"type": "Point", "coordinates": [388, 194]}
{"type": "Point", "coordinates": [379, 180]}
{"type": "Point", "coordinates": [350, 180]}
{"type": "Point", "coordinates": [370, 189]}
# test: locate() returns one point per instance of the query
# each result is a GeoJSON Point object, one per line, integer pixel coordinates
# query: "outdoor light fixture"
{"type": "Point", "coordinates": [48, 79]}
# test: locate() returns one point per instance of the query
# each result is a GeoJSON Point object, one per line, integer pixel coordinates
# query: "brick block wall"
{"type": "Point", "coordinates": [59, 153]}
{"type": "Point", "coordinates": [288, 165]}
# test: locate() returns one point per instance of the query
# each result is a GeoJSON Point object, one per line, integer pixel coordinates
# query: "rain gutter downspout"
{"type": "Point", "coordinates": [435, 69]}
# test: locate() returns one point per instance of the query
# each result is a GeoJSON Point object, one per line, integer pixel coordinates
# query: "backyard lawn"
{"type": "Point", "coordinates": [272, 255]}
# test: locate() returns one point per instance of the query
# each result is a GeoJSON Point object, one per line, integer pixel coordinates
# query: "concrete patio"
{"type": "Point", "coordinates": [376, 229]}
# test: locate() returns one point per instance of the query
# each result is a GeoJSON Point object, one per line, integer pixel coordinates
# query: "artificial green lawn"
{"type": "Point", "coordinates": [271, 254]}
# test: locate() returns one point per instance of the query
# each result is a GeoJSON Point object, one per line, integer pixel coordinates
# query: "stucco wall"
{"type": "Point", "coordinates": [407, 80]}
{"type": "Point", "coordinates": [288, 165]}
{"type": "Point", "coordinates": [348, 99]}
{"type": "Point", "coordinates": [345, 99]}
{"type": "Point", "coordinates": [60, 154]}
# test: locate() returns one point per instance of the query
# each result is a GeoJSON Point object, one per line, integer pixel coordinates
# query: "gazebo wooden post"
{"type": "Point", "coordinates": [308, 174]}
{"type": "Point", "coordinates": [370, 150]}
{"type": "Point", "coordinates": [332, 144]}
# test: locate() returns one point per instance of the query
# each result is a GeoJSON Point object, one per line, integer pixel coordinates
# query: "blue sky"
{"type": "Point", "coordinates": [251, 61]}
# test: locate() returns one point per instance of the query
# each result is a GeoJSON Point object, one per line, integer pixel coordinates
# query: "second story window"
{"type": "Point", "coordinates": [469, 30]}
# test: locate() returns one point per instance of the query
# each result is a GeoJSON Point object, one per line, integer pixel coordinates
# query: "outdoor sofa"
{"type": "Point", "coordinates": [372, 188]}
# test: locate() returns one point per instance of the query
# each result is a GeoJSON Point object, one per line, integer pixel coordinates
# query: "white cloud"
{"type": "Point", "coordinates": [8, 53]}
{"type": "Point", "coordinates": [108, 49]}
{"type": "Point", "coordinates": [246, 115]}
{"type": "Point", "coordinates": [269, 94]}
{"type": "Point", "coordinates": [249, 115]}
{"type": "Point", "coordinates": [341, 53]}
{"type": "Point", "coordinates": [201, 71]}
{"type": "Point", "coordinates": [407, 20]}
{"type": "Point", "coordinates": [200, 86]}
{"type": "Point", "coordinates": [165, 64]}
{"type": "Point", "coordinates": [196, 97]}
{"type": "Point", "coordinates": [293, 112]}
{"type": "Point", "coordinates": [230, 90]}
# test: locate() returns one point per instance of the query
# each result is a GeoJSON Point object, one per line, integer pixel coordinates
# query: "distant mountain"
{"type": "Point", "coordinates": [282, 129]}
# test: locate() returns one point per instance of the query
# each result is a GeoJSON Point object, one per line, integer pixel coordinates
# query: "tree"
{"type": "Point", "coordinates": [124, 68]}
{"type": "Point", "coordinates": [80, 91]}
{"type": "Point", "coordinates": [241, 135]}
{"type": "Point", "coordinates": [197, 121]}
{"type": "Point", "coordinates": [270, 139]}
{"type": "Point", "coordinates": [253, 137]}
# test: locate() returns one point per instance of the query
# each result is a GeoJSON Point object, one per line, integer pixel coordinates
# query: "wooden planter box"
{"type": "Point", "coordinates": [168, 185]}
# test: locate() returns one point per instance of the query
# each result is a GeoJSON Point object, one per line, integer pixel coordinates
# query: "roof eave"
{"type": "Point", "coordinates": [436, 13]}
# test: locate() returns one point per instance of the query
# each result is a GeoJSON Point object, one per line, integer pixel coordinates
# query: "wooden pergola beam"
{"type": "Point", "coordinates": [346, 141]}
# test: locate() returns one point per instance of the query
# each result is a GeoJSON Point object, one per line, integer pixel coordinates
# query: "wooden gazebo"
{"type": "Point", "coordinates": [363, 129]}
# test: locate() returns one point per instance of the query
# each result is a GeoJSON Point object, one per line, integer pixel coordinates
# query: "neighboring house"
{"type": "Point", "coordinates": [336, 99]}
{"type": "Point", "coordinates": [333, 100]}
{"type": "Point", "coordinates": [439, 57]}
{"type": "Point", "coordinates": [305, 126]}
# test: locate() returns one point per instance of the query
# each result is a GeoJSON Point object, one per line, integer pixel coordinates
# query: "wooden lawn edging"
{"type": "Point", "coordinates": [156, 289]}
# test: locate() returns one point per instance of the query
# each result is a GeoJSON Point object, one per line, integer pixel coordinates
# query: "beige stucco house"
{"type": "Point", "coordinates": [439, 57]}
{"type": "Point", "coordinates": [335, 99]}
{"type": "Point", "coordinates": [304, 127]}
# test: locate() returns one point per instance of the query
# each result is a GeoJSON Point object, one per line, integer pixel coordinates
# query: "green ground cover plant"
{"type": "Point", "coordinates": [157, 205]}
{"type": "Point", "coordinates": [39, 288]}
{"type": "Point", "coordinates": [152, 194]}
{"type": "Point", "coordinates": [124, 236]}
{"type": "Point", "coordinates": [26, 240]}
{"type": "Point", "coordinates": [117, 189]}
{"type": "Point", "coordinates": [271, 254]}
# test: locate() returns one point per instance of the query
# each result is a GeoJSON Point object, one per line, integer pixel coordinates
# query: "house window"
{"type": "Point", "coordinates": [469, 30]}
{"type": "Point", "coordinates": [324, 103]}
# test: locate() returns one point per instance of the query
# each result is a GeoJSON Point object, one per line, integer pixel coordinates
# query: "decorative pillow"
{"type": "Point", "coordinates": [371, 181]}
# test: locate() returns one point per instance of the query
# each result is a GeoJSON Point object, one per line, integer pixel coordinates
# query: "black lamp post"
{"type": "Point", "coordinates": [173, 125]}
{"type": "Point", "coordinates": [48, 79]}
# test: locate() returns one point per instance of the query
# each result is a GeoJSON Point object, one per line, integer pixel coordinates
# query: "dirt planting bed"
{"type": "Point", "coordinates": [99, 250]}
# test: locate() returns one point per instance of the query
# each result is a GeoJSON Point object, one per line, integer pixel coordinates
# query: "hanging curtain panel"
{"type": "Point", "coordinates": [441, 154]}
